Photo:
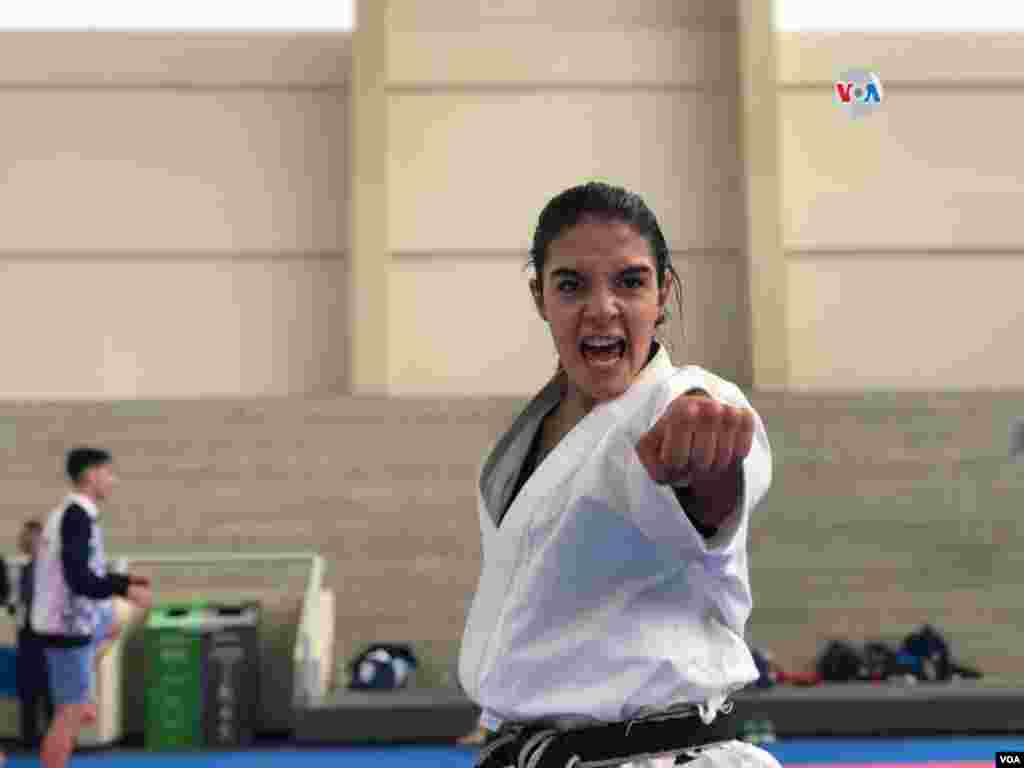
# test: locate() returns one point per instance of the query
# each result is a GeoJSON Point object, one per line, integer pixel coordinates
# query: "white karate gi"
{"type": "Point", "coordinates": [598, 598]}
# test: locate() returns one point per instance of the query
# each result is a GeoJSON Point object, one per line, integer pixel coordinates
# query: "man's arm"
{"type": "Point", "coordinates": [76, 533]}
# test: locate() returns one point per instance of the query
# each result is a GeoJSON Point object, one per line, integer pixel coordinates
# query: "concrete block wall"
{"type": "Point", "coordinates": [887, 510]}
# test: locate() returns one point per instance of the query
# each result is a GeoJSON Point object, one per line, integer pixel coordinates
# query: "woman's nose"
{"type": "Point", "coordinates": [601, 304]}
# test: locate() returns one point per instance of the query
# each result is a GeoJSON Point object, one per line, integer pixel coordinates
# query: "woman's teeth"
{"type": "Point", "coordinates": [603, 350]}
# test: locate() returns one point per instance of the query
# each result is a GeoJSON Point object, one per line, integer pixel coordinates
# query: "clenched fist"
{"type": "Point", "coordinates": [696, 436]}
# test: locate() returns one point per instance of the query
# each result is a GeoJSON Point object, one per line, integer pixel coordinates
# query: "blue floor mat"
{"type": "Point", "coordinates": [792, 753]}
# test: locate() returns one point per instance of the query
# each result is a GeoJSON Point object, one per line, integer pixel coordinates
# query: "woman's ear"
{"type": "Point", "coordinates": [664, 294]}
{"type": "Point", "coordinates": [538, 298]}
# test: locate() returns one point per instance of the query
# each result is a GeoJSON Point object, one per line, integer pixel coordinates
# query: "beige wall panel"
{"type": "Point", "coordinates": [472, 171]}
{"type": "Point", "coordinates": [906, 323]}
{"type": "Point", "coordinates": [171, 327]}
{"type": "Point", "coordinates": [466, 326]}
{"type": "Point", "coordinates": [939, 58]}
{"type": "Point", "coordinates": [762, 185]}
{"type": "Point", "coordinates": [515, 53]}
{"type": "Point", "coordinates": [931, 169]}
{"type": "Point", "coordinates": [368, 212]}
{"type": "Point", "coordinates": [415, 13]}
{"type": "Point", "coordinates": [172, 170]}
{"type": "Point", "coordinates": [715, 332]}
{"type": "Point", "coordinates": [193, 59]}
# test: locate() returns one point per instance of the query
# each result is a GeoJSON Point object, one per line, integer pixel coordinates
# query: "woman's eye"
{"type": "Point", "coordinates": [633, 282]}
{"type": "Point", "coordinates": [567, 286]}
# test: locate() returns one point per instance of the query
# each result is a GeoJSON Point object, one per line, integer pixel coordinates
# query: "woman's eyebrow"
{"type": "Point", "coordinates": [564, 272]}
{"type": "Point", "coordinates": [638, 269]}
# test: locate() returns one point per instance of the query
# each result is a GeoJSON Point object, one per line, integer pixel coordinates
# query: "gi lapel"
{"type": "Point", "coordinates": [502, 468]}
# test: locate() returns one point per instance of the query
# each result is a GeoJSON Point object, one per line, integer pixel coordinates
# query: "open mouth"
{"type": "Point", "coordinates": [602, 350]}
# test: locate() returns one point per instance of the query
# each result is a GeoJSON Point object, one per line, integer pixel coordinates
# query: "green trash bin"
{"type": "Point", "coordinates": [173, 698]}
{"type": "Point", "coordinates": [202, 675]}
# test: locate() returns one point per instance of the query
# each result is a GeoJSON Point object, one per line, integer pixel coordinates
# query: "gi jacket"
{"type": "Point", "coordinates": [598, 599]}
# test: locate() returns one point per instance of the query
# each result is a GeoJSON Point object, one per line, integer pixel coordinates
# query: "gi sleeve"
{"type": "Point", "coordinates": [658, 509]}
{"type": "Point", "coordinates": [756, 477]}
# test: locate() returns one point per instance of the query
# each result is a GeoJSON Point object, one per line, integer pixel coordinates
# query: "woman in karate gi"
{"type": "Point", "coordinates": [614, 512]}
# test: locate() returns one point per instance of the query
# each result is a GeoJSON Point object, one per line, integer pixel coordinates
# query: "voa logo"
{"type": "Point", "coordinates": [858, 92]}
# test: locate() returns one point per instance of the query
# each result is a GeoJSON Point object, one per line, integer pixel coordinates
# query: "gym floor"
{"type": "Point", "coordinates": [820, 753]}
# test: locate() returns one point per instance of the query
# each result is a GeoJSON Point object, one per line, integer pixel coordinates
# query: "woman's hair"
{"type": "Point", "coordinates": [609, 203]}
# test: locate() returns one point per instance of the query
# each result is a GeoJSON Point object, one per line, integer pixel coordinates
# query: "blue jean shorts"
{"type": "Point", "coordinates": [72, 670]}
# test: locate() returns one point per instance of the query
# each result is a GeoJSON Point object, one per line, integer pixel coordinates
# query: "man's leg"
{"type": "Point", "coordinates": [27, 715]}
{"type": "Point", "coordinates": [33, 687]}
{"type": "Point", "coordinates": [59, 742]}
{"type": "Point", "coordinates": [70, 676]}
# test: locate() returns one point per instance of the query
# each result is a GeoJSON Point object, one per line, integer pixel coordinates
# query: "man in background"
{"type": "Point", "coordinates": [33, 688]}
{"type": "Point", "coordinates": [72, 609]}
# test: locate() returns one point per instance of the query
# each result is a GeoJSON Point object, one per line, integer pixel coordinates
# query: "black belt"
{"type": "Point", "coordinates": [598, 746]}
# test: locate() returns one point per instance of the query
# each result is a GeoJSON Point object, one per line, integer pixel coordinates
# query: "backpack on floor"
{"type": "Point", "coordinates": [841, 662]}
{"type": "Point", "coordinates": [382, 667]}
